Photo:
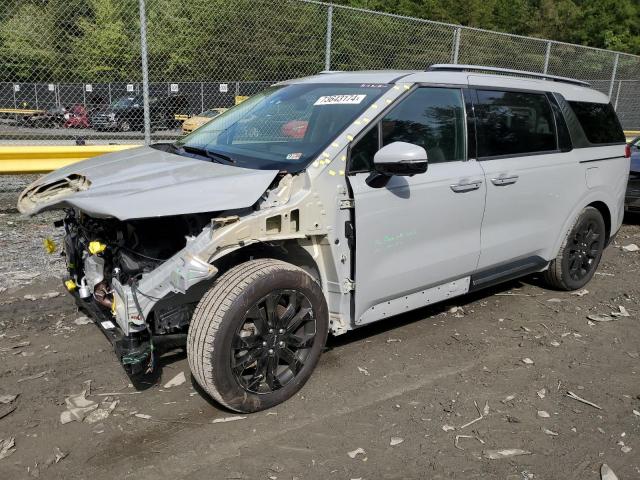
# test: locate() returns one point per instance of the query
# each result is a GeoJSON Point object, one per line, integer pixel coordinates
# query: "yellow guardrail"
{"type": "Point", "coordinates": [45, 158]}
{"type": "Point", "coordinates": [20, 111]}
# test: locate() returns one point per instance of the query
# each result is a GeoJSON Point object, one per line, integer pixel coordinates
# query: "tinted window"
{"type": "Point", "coordinates": [514, 123]}
{"type": "Point", "coordinates": [432, 118]}
{"type": "Point", "coordinates": [362, 152]}
{"type": "Point", "coordinates": [599, 122]}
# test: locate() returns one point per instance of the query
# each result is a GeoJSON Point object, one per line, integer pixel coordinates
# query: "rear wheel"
{"type": "Point", "coordinates": [257, 334]}
{"type": "Point", "coordinates": [580, 253]}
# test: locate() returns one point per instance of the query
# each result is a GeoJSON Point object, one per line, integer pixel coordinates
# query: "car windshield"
{"type": "Point", "coordinates": [124, 102]}
{"type": "Point", "coordinates": [283, 127]}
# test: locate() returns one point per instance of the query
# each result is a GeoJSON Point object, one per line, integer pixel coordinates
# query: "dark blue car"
{"type": "Point", "coordinates": [632, 200]}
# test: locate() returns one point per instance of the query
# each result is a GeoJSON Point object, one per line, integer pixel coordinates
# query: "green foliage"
{"type": "Point", "coordinates": [199, 40]}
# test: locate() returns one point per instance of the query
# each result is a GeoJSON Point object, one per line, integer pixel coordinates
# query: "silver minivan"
{"type": "Point", "coordinates": [330, 202]}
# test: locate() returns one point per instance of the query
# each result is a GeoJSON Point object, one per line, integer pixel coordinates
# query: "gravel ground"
{"type": "Point", "coordinates": [395, 396]}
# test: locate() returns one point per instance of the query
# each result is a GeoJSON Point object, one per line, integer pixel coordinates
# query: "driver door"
{"type": "Point", "coordinates": [417, 238]}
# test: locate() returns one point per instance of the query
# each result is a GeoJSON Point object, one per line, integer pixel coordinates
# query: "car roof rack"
{"type": "Point", "coordinates": [451, 67]}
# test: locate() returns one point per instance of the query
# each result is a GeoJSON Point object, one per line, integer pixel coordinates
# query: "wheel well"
{"type": "Point", "coordinates": [288, 251]}
{"type": "Point", "coordinates": [606, 215]}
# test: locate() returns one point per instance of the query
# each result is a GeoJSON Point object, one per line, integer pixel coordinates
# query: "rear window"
{"type": "Point", "coordinates": [599, 122]}
{"type": "Point", "coordinates": [514, 123]}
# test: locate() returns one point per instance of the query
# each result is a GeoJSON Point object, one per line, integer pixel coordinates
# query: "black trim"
{"type": "Point", "coordinates": [528, 154]}
{"type": "Point", "coordinates": [506, 272]}
{"type": "Point", "coordinates": [602, 159]}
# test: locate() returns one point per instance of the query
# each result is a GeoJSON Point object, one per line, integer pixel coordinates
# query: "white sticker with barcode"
{"type": "Point", "coordinates": [340, 100]}
{"type": "Point", "coordinates": [107, 325]}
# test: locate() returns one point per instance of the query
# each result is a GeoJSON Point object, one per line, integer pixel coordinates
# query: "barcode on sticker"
{"type": "Point", "coordinates": [107, 325]}
{"type": "Point", "coordinates": [340, 100]}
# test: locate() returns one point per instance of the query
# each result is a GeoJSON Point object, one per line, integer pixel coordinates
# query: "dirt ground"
{"type": "Point", "coordinates": [404, 391]}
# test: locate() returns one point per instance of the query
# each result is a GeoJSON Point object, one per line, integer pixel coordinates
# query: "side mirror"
{"type": "Point", "coordinates": [397, 158]}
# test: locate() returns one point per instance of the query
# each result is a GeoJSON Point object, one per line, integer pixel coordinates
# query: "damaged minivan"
{"type": "Point", "coordinates": [330, 202]}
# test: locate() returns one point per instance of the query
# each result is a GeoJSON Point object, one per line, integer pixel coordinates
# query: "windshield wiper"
{"type": "Point", "coordinates": [215, 156]}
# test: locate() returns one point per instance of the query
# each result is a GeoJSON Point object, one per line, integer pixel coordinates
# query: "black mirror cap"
{"type": "Point", "coordinates": [384, 171]}
{"type": "Point", "coordinates": [407, 168]}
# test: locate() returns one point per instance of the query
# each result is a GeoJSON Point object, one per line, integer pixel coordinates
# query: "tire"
{"type": "Point", "coordinates": [125, 126]}
{"type": "Point", "coordinates": [579, 254]}
{"type": "Point", "coordinates": [231, 348]}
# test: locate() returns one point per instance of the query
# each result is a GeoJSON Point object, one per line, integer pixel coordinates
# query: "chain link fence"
{"type": "Point", "coordinates": [126, 71]}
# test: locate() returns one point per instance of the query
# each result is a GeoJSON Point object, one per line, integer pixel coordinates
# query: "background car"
{"type": "Point", "coordinates": [190, 124]}
{"type": "Point", "coordinates": [127, 113]}
{"type": "Point", "coordinates": [632, 200]}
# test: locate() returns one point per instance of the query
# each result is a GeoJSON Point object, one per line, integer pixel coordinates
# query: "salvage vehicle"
{"type": "Point", "coordinates": [406, 189]}
{"type": "Point", "coordinates": [632, 200]}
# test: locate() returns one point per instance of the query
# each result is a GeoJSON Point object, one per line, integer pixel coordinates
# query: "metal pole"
{"type": "Point", "coordinates": [202, 96]}
{"type": "Point", "coordinates": [109, 85]}
{"type": "Point", "coordinates": [613, 74]}
{"type": "Point", "coordinates": [35, 91]}
{"type": "Point", "coordinates": [145, 72]}
{"type": "Point", "coordinates": [327, 48]}
{"type": "Point", "coordinates": [547, 55]}
{"type": "Point", "coordinates": [615, 107]}
{"type": "Point", "coordinates": [456, 45]}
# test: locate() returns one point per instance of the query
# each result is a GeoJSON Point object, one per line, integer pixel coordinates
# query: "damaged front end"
{"type": "Point", "coordinates": [107, 258]}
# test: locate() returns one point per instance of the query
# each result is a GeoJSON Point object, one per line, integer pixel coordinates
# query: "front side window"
{"type": "Point", "coordinates": [599, 122]}
{"type": "Point", "coordinates": [430, 117]}
{"type": "Point", "coordinates": [514, 123]}
{"type": "Point", "coordinates": [283, 127]}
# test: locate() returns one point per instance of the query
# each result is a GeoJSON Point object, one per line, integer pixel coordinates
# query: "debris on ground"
{"type": "Point", "coordinates": [8, 398]}
{"type": "Point", "coordinates": [102, 413]}
{"type": "Point", "coordinates": [600, 318]}
{"type": "Point", "coordinates": [78, 407]}
{"type": "Point", "coordinates": [549, 432]}
{"type": "Point", "coordinates": [632, 247]}
{"type": "Point", "coordinates": [143, 416]}
{"type": "Point", "coordinates": [622, 312]}
{"type": "Point", "coordinates": [505, 453]}
{"type": "Point", "coordinates": [15, 347]}
{"type": "Point", "coordinates": [178, 380]}
{"type": "Point", "coordinates": [356, 452]}
{"type": "Point", "coordinates": [580, 293]}
{"type": "Point", "coordinates": [580, 399]}
{"type": "Point", "coordinates": [508, 398]}
{"type": "Point", "coordinates": [543, 414]}
{"type": "Point", "coordinates": [82, 321]}
{"type": "Point", "coordinates": [227, 419]}
{"type": "Point", "coordinates": [542, 393]}
{"type": "Point", "coordinates": [527, 361]}
{"type": "Point", "coordinates": [7, 447]}
{"type": "Point", "coordinates": [34, 377]}
{"type": "Point", "coordinates": [364, 370]}
{"type": "Point", "coordinates": [396, 441]}
{"type": "Point", "coordinates": [606, 473]}
{"type": "Point", "coordinates": [457, 312]}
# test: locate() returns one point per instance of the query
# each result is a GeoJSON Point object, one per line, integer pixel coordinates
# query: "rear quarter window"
{"type": "Point", "coordinates": [599, 122]}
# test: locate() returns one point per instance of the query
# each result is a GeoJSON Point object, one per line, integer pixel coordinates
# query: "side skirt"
{"type": "Point", "coordinates": [509, 271]}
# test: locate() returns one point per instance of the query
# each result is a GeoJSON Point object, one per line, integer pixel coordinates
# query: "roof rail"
{"type": "Point", "coordinates": [447, 67]}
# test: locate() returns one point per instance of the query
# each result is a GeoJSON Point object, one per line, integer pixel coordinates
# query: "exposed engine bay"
{"type": "Point", "coordinates": [101, 251]}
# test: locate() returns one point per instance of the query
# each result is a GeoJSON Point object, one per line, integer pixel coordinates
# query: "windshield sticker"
{"type": "Point", "coordinates": [340, 100]}
{"type": "Point", "coordinates": [294, 156]}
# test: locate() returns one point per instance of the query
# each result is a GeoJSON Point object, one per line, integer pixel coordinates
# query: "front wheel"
{"type": "Point", "coordinates": [580, 253]}
{"type": "Point", "coordinates": [257, 334]}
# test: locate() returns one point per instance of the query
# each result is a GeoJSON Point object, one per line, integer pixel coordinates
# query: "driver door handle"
{"type": "Point", "coordinates": [504, 180]}
{"type": "Point", "coordinates": [466, 186]}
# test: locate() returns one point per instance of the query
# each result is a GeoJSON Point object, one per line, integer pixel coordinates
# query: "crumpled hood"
{"type": "Point", "coordinates": [145, 182]}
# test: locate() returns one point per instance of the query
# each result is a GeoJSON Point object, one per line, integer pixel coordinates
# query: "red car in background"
{"type": "Point", "coordinates": [76, 117]}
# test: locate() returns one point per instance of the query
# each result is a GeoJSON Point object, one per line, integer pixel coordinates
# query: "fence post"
{"type": "Point", "coordinates": [145, 72]}
{"type": "Point", "coordinates": [547, 56]}
{"type": "Point", "coordinates": [327, 48]}
{"type": "Point", "coordinates": [615, 107]}
{"type": "Point", "coordinates": [456, 45]}
{"type": "Point", "coordinates": [613, 74]}
{"type": "Point", "coordinates": [35, 91]}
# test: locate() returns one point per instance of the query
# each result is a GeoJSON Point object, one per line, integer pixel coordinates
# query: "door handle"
{"type": "Point", "coordinates": [466, 186]}
{"type": "Point", "coordinates": [504, 180]}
